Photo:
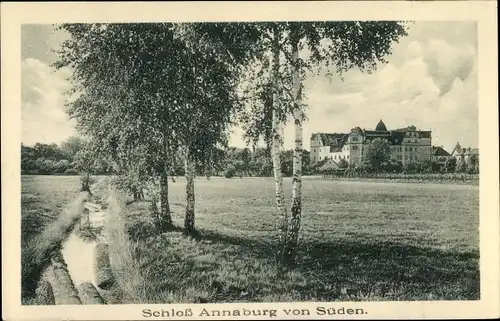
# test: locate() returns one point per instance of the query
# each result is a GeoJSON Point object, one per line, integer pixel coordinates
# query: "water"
{"type": "Point", "coordinates": [79, 257]}
{"type": "Point", "coordinates": [78, 253]}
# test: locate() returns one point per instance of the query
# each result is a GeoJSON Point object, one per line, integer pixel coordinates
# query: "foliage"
{"type": "Point", "coordinates": [71, 146]}
{"type": "Point", "coordinates": [48, 159]}
{"type": "Point", "coordinates": [146, 93]}
{"type": "Point", "coordinates": [450, 165]}
{"type": "Point", "coordinates": [230, 172]}
{"type": "Point", "coordinates": [377, 153]}
{"type": "Point", "coordinates": [343, 163]}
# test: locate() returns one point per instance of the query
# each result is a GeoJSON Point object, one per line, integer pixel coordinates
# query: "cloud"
{"type": "Point", "coordinates": [42, 103]}
{"type": "Point", "coordinates": [429, 82]}
{"type": "Point", "coordinates": [446, 63]}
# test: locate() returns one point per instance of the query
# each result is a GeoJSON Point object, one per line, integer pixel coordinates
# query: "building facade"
{"type": "Point", "coordinates": [408, 145]}
{"type": "Point", "coordinates": [464, 154]}
{"type": "Point", "coordinates": [439, 155]}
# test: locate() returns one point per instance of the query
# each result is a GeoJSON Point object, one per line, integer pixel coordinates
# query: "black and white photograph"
{"type": "Point", "coordinates": [235, 162]}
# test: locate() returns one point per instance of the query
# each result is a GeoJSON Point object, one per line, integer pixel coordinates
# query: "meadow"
{"type": "Point", "coordinates": [49, 209]}
{"type": "Point", "coordinates": [359, 241]}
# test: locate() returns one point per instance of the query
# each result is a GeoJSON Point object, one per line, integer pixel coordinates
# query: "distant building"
{"type": "Point", "coordinates": [439, 155]}
{"type": "Point", "coordinates": [408, 145]}
{"type": "Point", "coordinates": [464, 154]}
{"type": "Point", "coordinates": [330, 166]}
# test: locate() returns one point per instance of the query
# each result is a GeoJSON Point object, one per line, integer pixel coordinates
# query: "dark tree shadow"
{"type": "Point", "coordinates": [387, 270]}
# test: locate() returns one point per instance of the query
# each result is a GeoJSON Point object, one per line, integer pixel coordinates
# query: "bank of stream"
{"type": "Point", "coordinates": [80, 271]}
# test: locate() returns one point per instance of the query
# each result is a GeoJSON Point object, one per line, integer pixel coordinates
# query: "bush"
{"type": "Point", "coordinates": [70, 171]}
{"type": "Point", "coordinates": [230, 171]}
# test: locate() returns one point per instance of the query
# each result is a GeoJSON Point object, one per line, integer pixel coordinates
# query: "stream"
{"type": "Point", "coordinates": [78, 253]}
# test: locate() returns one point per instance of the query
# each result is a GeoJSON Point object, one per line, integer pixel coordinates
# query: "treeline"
{"type": "Point", "coordinates": [240, 162]}
{"type": "Point", "coordinates": [471, 166]}
{"type": "Point", "coordinates": [54, 159]}
{"type": "Point", "coordinates": [63, 159]}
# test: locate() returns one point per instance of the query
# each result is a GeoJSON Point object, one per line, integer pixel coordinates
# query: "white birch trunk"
{"type": "Point", "coordinates": [275, 151]}
{"type": "Point", "coordinates": [296, 209]}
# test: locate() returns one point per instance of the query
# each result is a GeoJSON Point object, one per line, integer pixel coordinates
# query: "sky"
{"type": "Point", "coordinates": [430, 81]}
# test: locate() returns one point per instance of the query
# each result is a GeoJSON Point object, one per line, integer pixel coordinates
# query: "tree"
{"type": "Point", "coordinates": [410, 168]}
{"type": "Point", "coordinates": [377, 153]}
{"type": "Point", "coordinates": [473, 164]}
{"type": "Point", "coordinates": [163, 88]}
{"type": "Point", "coordinates": [287, 163]}
{"type": "Point", "coordinates": [461, 166]}
{"type": "Point", "coordinates": [450, 165]}
{"type": "Point", "coordinates": [210, 67]}
{"type": "Point", "coordinates": [83, 162]}
{"type": "Point", "coordinates": [48, 151]}
{"type": "Point", "coordinates": [343, 45]}
{"type": "Point", "coordinates": [121, 72]}
{"type": "Point", "coordinates": [71, 146]}
{"type": "Point", "coordinates": [343, 163]}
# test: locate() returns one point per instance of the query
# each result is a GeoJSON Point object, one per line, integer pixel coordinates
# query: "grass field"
{"type": "Point", "coordinates": [359, 241]}
{"type": "Point", "coordinates": [42, 200]}
{"type": "Point", "coordinates": [49, 208]}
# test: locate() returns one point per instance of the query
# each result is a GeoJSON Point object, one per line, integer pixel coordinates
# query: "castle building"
{"type": "Point", "coordinates": [408, 145]}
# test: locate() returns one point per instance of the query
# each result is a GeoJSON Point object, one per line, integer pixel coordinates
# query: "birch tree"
{"type": "Point", "coordinates": [298, 49]}
{"type": "Point", "coordinates": [122, 75]}
{"type": "Point", "coordinates": [209, 67]}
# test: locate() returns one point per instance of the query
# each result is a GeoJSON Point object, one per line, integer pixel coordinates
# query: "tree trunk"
{"type": "Point", "coordinates": [275, 151]}
{"type": "Point", "coordinates": [153, 208]}
{"type": "Point", "coordinates": [166, 218]}
{"type": "Point", "coordinates": [296, 209]}
{"type": "Point", "coordinates": [190, 200]}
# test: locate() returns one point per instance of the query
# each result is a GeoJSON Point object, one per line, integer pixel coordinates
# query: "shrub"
{"type": "Point", "coordinates": [230, 171]}
{"type": "Point", "coordinates": [70, 171]}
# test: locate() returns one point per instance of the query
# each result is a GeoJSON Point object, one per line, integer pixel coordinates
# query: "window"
{"type": "Point", "coordinates": [406, 157]}
{"type": "Point", "coordinates": [354, 139]}
{"type": "Point", "coordinates": [314, 158]}
{"type": "Point", "coordinates": [347, 156]}
{"type": "Point", "coordinates": [314, 150]}
{"type": "Point", "coordinates": [406, 149]}
{"type": "Point", "coordinates": [354, 147]}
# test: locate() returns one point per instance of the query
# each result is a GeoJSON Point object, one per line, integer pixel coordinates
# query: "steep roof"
{"type": "Point", "coordinates": [331, 139]}
{"type": "Point", "coordinates": [397, 137]}
{"type": "Point", "coordinates": [439, 151]}
{"type": "Point", "coordinates": [330, 165]}
{"type": "Point", "coordinates": [381, 127]}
